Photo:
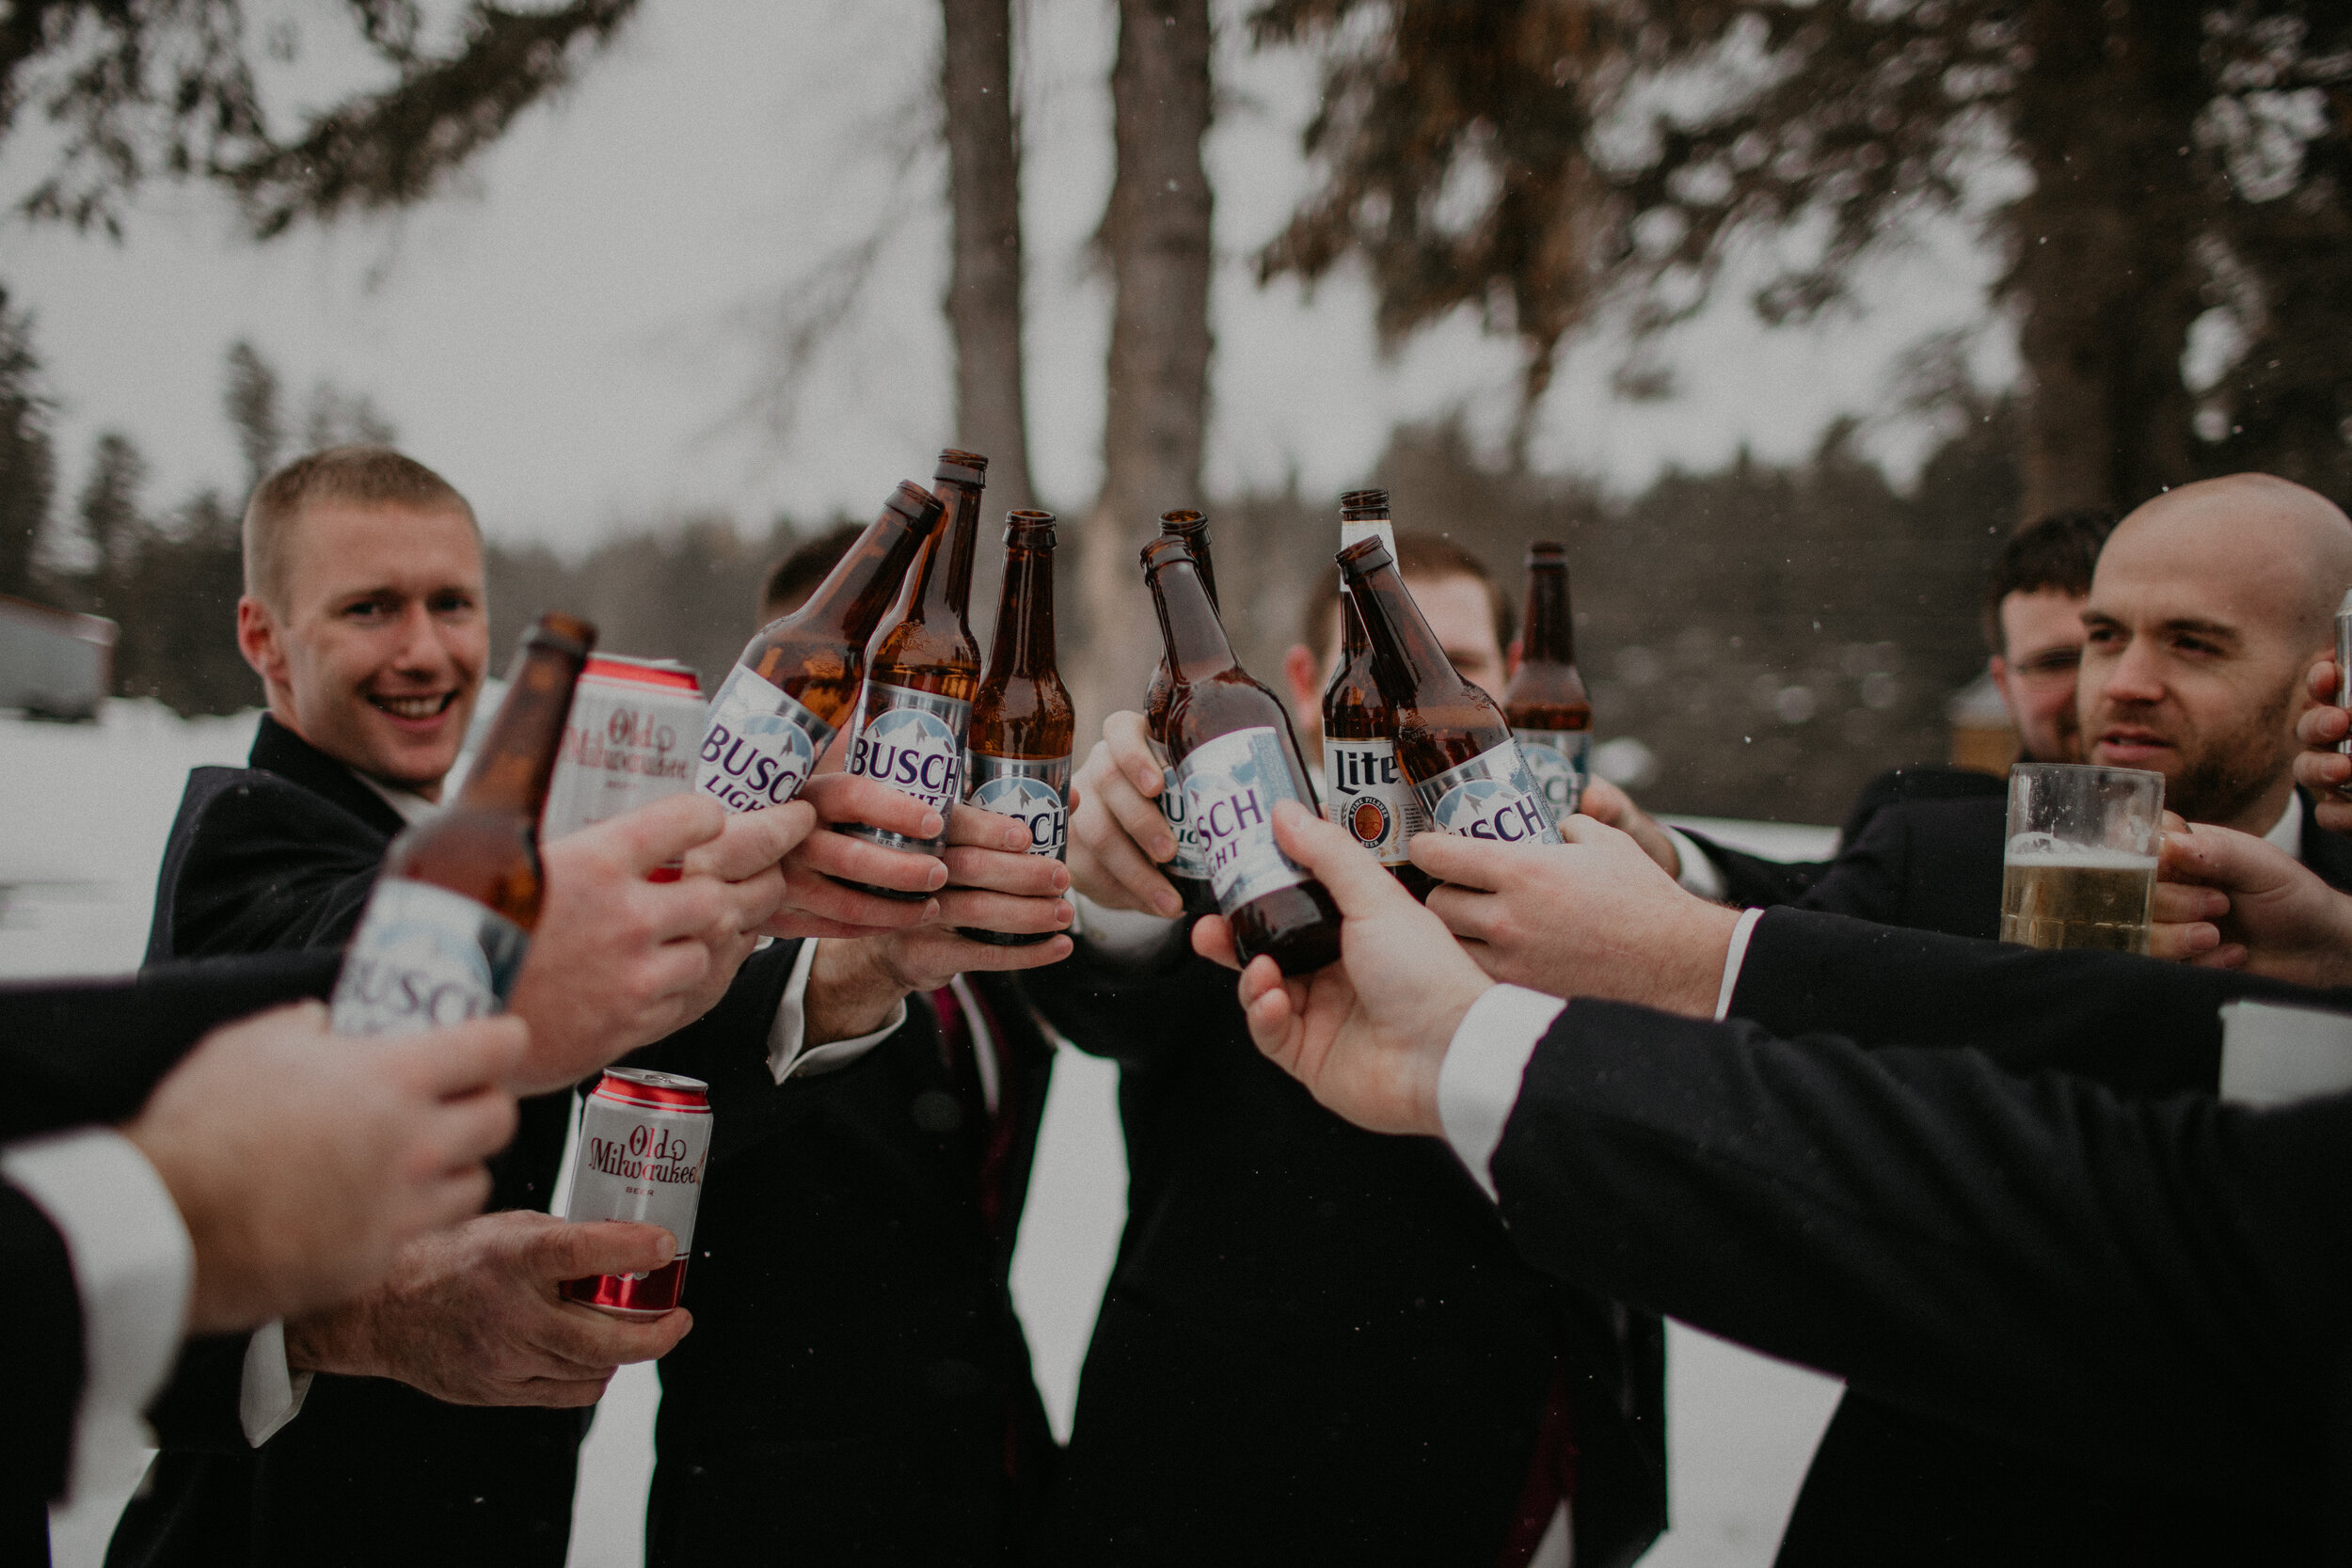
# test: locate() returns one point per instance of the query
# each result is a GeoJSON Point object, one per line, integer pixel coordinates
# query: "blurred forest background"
{"type": "Point", "coordinates": [2167, 185]}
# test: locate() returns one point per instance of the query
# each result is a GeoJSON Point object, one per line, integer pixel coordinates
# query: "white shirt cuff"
{"type": "Point", "coordinates": [1479, 1081]}
{"type": "Point", "coordinates": [132, 1267]}
{"type": "Point", "coordinates": [1734, 957]}
{"type": "Point", "coordinates": [271, 1393]}
{"type": "Point", "coordinates": [784, 1056]}
{"type": "Point", "coordinates": [1699, 874]}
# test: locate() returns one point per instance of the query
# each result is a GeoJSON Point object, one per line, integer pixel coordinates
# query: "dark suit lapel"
{"type": "Point", "coordinates": [277, 750]}
{"type": "Point", "coordinates": [2328, 854]}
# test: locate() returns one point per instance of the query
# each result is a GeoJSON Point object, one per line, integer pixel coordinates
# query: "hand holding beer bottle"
{"type": "Point", "coordinates": [1187, 868]}
{"type": "Point", "coordinates": [1365, 789]}
{"type": "Point", "coordinates": [1022, 722]}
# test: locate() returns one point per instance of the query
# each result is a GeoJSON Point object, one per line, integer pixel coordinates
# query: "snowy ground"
{"type": "Point", "coordinates": [84, 810]}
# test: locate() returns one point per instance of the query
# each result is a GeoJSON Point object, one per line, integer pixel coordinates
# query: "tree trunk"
{"type": "Point", "coordinates": [2106, 271]}
{"type": "Point", "coordinates": [984, 287]}
{"type": "Point", "coordinates": [1155, 233]}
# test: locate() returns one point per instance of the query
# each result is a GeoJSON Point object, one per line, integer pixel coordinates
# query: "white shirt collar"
{"type": "Point", "coordinates": [413, 807]}
{"type": "Point", "coordinates": [2287, 832]}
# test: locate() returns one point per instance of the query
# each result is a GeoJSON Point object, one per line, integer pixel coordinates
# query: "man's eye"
{"type": "Point", "coordinates": [452, 604]}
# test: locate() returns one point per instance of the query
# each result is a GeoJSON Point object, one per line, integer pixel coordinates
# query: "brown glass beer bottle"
{"type": "Point", "coordinates": [1550, 713]}
{"type": "Point", "coordinates": [1190, 870]}
{"type": "Point", "coordinates": [1364, 790]}
{"type": "Point", "coordinates": [1023, 723]}
{"type": "Point", "coordinates": [1451, 737]}
{"type": "Point", "coordinates": [451, 916]}
{"type": "Point", "coordinates": [922, 668]}
{"type": "Point", "coordinates": [782, 703]}
{"type": "Point", "coordinates": [1236, 759]}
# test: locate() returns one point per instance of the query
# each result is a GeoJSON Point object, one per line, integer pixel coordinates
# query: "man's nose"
{"type": "Point", "coordinates": [2137, 675]}
{"type": "Point", "coordinates": [420, 646]}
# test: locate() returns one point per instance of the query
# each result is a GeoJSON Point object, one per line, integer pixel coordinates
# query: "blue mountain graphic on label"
{"type": "Point", "coordinates": [1489, 808]}
{"type": "Point", "coordinates": [1031, 801]}
{"type": "Point", "coordinates": [913, 751]}
{"type": "Point", "coordinates": [1231, 786]}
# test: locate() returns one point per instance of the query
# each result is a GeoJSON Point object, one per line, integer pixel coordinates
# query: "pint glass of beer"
{"type": "Point", "coordinates": [2080, 869]}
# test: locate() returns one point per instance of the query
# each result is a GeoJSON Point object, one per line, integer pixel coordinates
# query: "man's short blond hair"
{"type": "Point", "coordinates": [357, 476]}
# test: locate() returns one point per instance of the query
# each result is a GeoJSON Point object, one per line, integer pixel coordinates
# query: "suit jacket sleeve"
{"type": "Point", "coordinates": [260, 863]}
{"type": "Point", "coordinates": [2135, 1025]}
{"type": "Point", "coordinates": [727, 1049]}
{"type": "Point", "coordinates": [45, 1365]}
{"type": "Point", "coordinates": [2157, 1286]}
{"type": "Point", "coordinates": [1132, 1011]}
{"type": "Point", "coordinates": [1752, 881]}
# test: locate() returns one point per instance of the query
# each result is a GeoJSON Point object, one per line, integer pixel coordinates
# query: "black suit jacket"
{"type": "Point", "coordinates": [1753, 881]}
{"type": "Point", "coordinates": [2153, 1291]}
{"type": "Point", "coordinates": [79, 1055]}
{"type": "Point", "coordinates": [857, 1388]}
{"type": "Point", "coordinates": [1317, 1345]}
{"type": "Point", "coordinates": [1888, 1484]}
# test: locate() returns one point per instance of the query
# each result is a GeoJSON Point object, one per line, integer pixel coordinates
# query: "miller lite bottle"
{"type": "Point", "coordinates": [1365, 791]}
{"type": "Point", "coordinates": [1023, 723]}
{"type": "Point", "coordinates": [446, 927]}
{"type": "Point", "coordinates": [1451, 737]}
{"type": "Point", "coordinates": [1236, 759]}
{"type": "Point", "coordinates": [1190, 871]}
{"type": "Point", "coordinates": [786, 696]}
{"type": "Point", "coordinates": [1546, 704]}
{"type": "Point", "coordinates": [922, 670]}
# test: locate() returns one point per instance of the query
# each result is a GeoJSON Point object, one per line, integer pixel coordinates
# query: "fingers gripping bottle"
{"type": "Point", "coordinates": [1550, 715]}
{"type": "Point", "coordinates": [1190, 870]}
{"type": "Point", "coordinates": [1236, 759]}
{"type": "Point", "coordinates": [1365, 789]}
{"type": "Point", "coordinates": [446, 927]}
{"type": "Point", "coordinates": [922, 671]}
{"type": "Point", "coordinates": [1023, 723]}
{"type": "Point", "coordinates": [786, 696]}
{"type": "Point", "coordinates": [1451, 737]}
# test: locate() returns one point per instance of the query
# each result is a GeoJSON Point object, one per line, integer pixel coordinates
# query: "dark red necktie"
{"type": "Point", "coordinates": [1551, 1476]}
{"type": "Point", "coordinates": [956, 1053]}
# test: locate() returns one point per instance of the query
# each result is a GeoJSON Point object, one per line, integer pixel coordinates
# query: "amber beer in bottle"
{"type": "Point", "coordinates": [445, 931]}
{"type": "Point", "coordinates": [1364, 790]}
{"type": "Point", "coordinates": [786, 696]}
{"type": "Point", "coordinates": [1190, 871]}
{"type": "Point", "coordinates": [1550, 713]}
{"type": "Point", "coordinates": [1023, 723]}
{"type": "Point", "coordinates": [922, 670]}
{"type": "Point", "coordinates": [1451, 737]}
{"type": "Point", "coordinates": [1236, 759]}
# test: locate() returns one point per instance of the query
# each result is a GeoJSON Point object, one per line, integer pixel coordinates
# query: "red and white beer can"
{"type": "Point", "coordinates": [644, 1137]}
{"type": "Point", "coordinates": [630, 738]}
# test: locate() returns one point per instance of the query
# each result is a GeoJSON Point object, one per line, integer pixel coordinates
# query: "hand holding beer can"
{"type": "Point", "coordinates": [643, 1138]}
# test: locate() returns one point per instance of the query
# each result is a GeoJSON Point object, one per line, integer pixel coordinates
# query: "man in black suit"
{"type": "Point", "coordinates": [1317, 1344]}
{"type": "Point", "coordinates": [2152, 1291]}
{"type": "Point", "coordinates": [857, 1387]}
{"type": "Point", "coordinates": [254, 1174]}
{"type": "Point", "coordinates": [1912, 845]}
{"type": "Point", "coordinates": [440, 1413]}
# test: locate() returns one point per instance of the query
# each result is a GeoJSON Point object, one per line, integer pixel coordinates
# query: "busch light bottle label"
{"type": "Point", "coordinates": [914, 743]}
{"type": "Point", "coordinates": [1492, 796]}
{"type": "Point", "coordinates": [1368, 793]}
{"type": "Point", "coordinates": [1555, 758]}
{"type": "Point", "coordinates": [1031, 791]}
{"type": "Point", "coordinates": [1231, 786]}
{"type": "Point", "coordinates": [759, 745]}
{"type": "Point", "coordinates": [425, 956]}
{"type": "Point", "coordinates": [1192, 850]}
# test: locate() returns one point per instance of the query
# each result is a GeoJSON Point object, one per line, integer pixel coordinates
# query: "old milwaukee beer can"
{"type": "Point", "coordinates": [630, 739]}
{"type": "Point", "coordinates": [644, 1137]}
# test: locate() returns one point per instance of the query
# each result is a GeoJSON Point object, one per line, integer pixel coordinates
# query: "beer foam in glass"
{"type": "Point", "coordinates": [2079, 869]}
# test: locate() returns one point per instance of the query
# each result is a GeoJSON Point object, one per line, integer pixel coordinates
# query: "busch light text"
{"type": "Point", "coordinates": [1492, 796]}
{"type": "Point", "coordinates": [425, 956]}
{"type": "Point", "coordinates": [1556, 761]}
{"type": "Point", "coordinates": [1231, 786]}
{"type": "Point", "coordinates": [759, 745]}
{"type": "Point", "coordinates": [1033, 792]}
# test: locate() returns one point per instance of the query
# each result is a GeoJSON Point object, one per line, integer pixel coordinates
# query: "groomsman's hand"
{"type": "Point", "coordinates": [1367, 1034]}
{"type": "Point", "coordinates": [2322, 769]}
{"type": "Point", "coordinates": [817, 902]}
{"type": "Point", "coordinates": [1118, 840]}
{"type": "Point", "coordinates": [2229, 900]}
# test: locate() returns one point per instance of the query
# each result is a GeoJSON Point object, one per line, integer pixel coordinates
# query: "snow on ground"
{"type": "Point", "coordinates": [84, 813]}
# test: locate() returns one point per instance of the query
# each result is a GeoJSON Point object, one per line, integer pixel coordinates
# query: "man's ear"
{"type": "Point", "coordinates": [1997, 668]}
{"type": "Point", "coordinates": [1300, 668]}
{"type": "Point", "coordinates": [1512, 655]}
{"type": "Point", "coordinates": [258, 640]}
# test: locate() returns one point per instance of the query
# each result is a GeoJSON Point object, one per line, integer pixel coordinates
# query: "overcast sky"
{"type": "Point", "coordinates": [579, 335]}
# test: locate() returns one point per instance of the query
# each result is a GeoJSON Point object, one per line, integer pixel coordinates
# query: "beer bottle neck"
{"type": "Point", "coordinates": [944, 589]}
{"type": "Point", "coordinates": [1550, 635]}
{"type": "Point", "coordinates": [1356, 525]}
{"type": "Point", "coordinates": [1196, 640]}
{"type": "Point", "coordinates": [1408, 663]}
{"type": "Point", "coordinates": [1195, 533]}
{"type": "Point", "coordinates": [517, 757]}
{"type": "Point", "coordinates": [851, 601]}
{"type": "Point", "coordinates": [1023, 646]}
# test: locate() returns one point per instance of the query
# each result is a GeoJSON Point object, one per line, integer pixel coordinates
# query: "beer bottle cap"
{"type": "Point", "coordinates": [1363, 557]}
{"type": "Point", "coordinates": [1357, 504]}
{"type": "Point", "coordinates": [1034, 529]}
{"type": "Point", "coordinates": [961, 468]}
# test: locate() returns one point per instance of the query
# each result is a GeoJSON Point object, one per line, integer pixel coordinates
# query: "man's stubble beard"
{"type": "Point", "coordinates": [2225, 777]}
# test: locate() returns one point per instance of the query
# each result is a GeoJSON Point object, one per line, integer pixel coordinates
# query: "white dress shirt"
{"type": "Point", "coordinates": [132, 1269]}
